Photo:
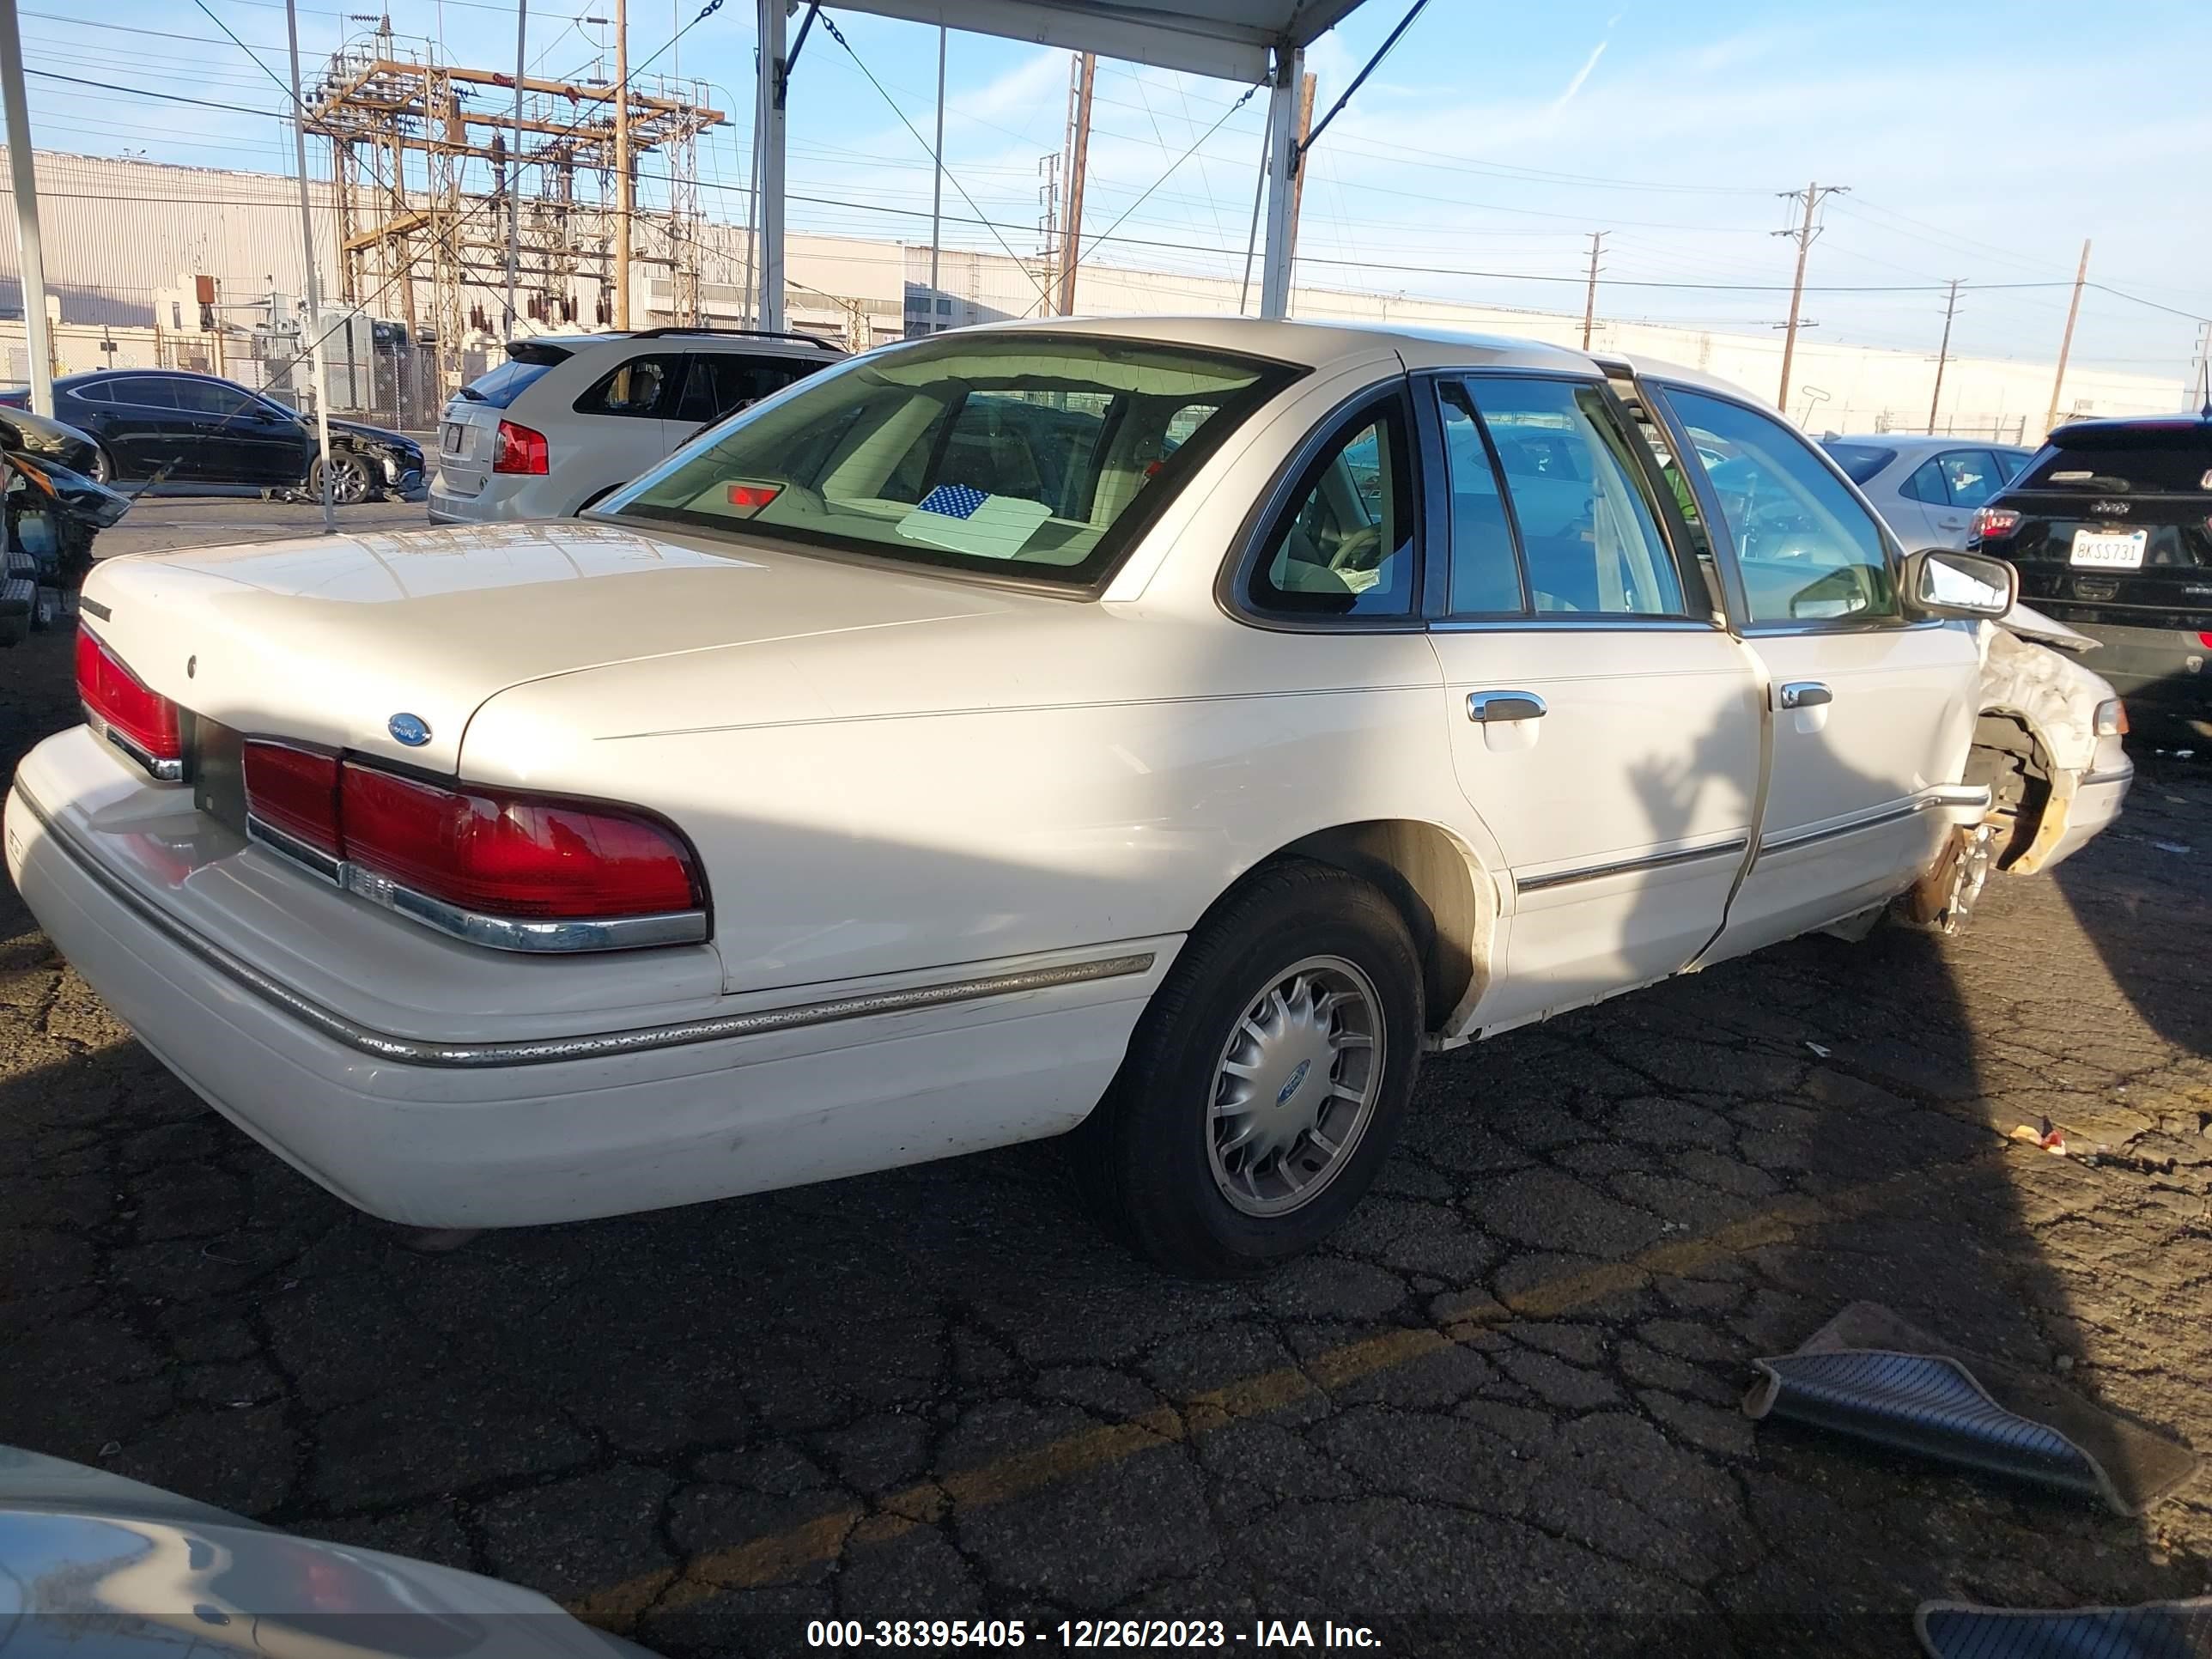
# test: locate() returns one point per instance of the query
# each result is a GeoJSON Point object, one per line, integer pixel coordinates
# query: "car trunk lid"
{"type": "Point", "coordinates": [330, 640]}
{"type": "Point", "coordinates": [468, 427]}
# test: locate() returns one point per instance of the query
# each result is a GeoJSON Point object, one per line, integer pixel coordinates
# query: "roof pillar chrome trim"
{"type": "Point", "coordinates": [597, 1045]}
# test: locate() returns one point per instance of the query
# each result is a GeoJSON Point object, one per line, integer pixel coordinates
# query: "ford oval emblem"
{"type": "Point", "coordinates": [1297, 1077]}
{"type": "Point", "coordinates": [411, 729]}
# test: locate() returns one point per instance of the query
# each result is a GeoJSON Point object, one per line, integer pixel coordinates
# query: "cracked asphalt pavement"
{"type": "Point", "coordinates": [1500, 1411]}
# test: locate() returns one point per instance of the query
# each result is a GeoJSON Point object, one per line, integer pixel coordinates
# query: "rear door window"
{"type": "Point", "coordinates": [1485, 570]}
{"type": "Point", "coordinates": [146, 391]}
{"type": "Point", "coordinates": [1971, 476]}
{"type": "Point", "coordinates": [720, 383]}
{"type": "Point", "coordinates": [1589, 534]}
{"type": "Point", "coordinates": [644, 387]}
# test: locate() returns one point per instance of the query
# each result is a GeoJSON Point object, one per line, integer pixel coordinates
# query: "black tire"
{"type": "Point", "coordinates": [1146, 1155]}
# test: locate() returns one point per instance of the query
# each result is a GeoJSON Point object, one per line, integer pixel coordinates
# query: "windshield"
{"type": "Point", "coordinates": [1033, 455]}
{"type": "Point", "coordinates": [1859, 461]}
{"type": "Point", "coordinates": [524, 362]}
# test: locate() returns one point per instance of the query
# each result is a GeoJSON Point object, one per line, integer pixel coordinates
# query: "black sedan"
{"type": "Point", "coordinates": [194, 429]}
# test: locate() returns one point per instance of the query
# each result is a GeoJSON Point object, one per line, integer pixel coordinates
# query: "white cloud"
{"type": "Point", "coordinates": [1581, 76]}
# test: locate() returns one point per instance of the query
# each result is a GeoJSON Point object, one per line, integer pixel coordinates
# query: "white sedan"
{"type": "Point", "coordinates": [1171, 728]}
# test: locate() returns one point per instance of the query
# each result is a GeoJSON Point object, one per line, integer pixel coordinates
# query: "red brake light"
{"type": "Point", "coordinates": [140, 721]}
{"type": "Point", "coordinates": [514, 856]}
{"type": "Point", "coordinates": [754, 496]}
{"type": "Point", "coordinates": [519, 449]}
{"type": "Point", "coordinates": [1994, 523]}
{"type": "Point", "coordinates": [296, 793]}
{"type": "Point", "coordinates": [2205, 639]}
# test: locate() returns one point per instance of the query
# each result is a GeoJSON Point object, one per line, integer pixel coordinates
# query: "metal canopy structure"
{"type": "Point", "coordinates": [1253, 41]}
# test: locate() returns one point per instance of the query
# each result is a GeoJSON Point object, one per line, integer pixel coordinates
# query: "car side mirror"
{"type": "Point", "coordinates": [1940, 582]}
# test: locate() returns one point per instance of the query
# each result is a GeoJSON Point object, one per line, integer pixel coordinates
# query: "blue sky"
{"type": "Point", "coordinates": [1980, 140]}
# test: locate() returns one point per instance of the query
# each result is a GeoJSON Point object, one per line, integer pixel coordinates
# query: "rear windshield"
{"type": "Point", "coordinates": [1860, 461]}
{"type": "Point", "coordinates": [2140, 459]}
{"type": "Point", "coordinates": [1038, 456]}
{"type": "Point", "coordinates": [525, 361]}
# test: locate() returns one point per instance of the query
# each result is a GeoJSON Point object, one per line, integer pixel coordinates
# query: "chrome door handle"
{"type": "Point", "coordinates": [1484, 707]}
{"type": "Point", "coordinates": [1803, 694]}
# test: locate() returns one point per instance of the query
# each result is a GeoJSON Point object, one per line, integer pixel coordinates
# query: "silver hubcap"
{"type": "Point", "coordinates": [348, 479]}
{"type": "Point", "coordinates": [1296, 1087]}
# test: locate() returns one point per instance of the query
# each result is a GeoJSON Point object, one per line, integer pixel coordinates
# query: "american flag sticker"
{"type": "Point", "coordinates": [969, 520]}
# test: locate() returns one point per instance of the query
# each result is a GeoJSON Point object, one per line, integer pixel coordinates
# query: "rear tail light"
{"type": "Point", "coordinates": [118, 705]}
{"type": "Point", "coordinates": [2112, 718]}
{"type": "Point", "coordinates": [295, 792]}
{"type": "Point", "coordinates": [519, 449]}
{"type": "Point", "coordinates": [520, 872]}
{"type": "Point", "coordinates": [1994, 523]}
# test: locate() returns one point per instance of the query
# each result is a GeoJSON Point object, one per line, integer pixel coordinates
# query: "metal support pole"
{"type": "Point", "coordinates": [1282, 167]}
{"type": "Point", "coordinates": [514, 159]}
{"type": "Point", "coordinates": [937, 184]}
{"type": "Point", "coordinates": [314, 288]}
{"type": "Point", "coordinates": [769, 94]}
{"type": "Point", "coordinates": [2066, 342]}
{"type": "Point", "coordinates": [1252, 235]}
{"type": "Point", "coordinates": [625, 180]}
{"type": "Point", "coordinates": [22, 165]}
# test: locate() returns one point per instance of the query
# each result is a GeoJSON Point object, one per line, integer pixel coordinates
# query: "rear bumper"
{"type": "Point", "coordinates": [2161, 668]}
{"type": "Point", "coordinates": [768, 1091]}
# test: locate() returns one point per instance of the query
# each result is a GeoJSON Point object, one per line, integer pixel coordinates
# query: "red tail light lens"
{"type": "Point", "coordinates": [519, 449]}
{"type": "Point", "coordinates": [141, 722]}
{"type": "Point", "coordinates": [1994, 523]}
{"type": "Point", "coordinates": [295, 792]}
{"type": "Point", "coordinates": [514, 856]}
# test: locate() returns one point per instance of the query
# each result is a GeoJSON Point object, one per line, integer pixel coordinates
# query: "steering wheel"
{"type": "Point", "coordinates": [1778, 522]}
{"type": "Point", "coordinates": [1362, 550]}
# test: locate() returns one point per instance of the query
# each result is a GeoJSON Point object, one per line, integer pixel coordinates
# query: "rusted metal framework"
{"type": "Point", "coordinates": [424, 154]}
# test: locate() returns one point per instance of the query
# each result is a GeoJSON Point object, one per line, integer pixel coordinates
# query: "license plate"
{"type": "Point", "coordinates": [2110, 550]}
{"type": "Point", "coordinates": [456, 437]}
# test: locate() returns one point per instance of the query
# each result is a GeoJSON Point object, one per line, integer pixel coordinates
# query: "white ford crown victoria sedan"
{"type": "Point", "coordinates": [1167, 727]}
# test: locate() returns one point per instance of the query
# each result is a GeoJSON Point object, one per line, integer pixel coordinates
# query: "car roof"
{"type": "Point", "coordinates": [690, 339]}
{"type": "Point", "coordinates": [1917, 443]}
{"type": "Point", "coordinates": [2119, 425]}
{"type": "Point", "coordinates": [1313, 346]}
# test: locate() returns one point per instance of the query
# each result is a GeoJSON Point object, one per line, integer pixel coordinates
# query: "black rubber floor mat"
{"type": "Point", "coordinates": [1869, 1374]}
{"type": "Point", "coordinates": [2157, 1630]}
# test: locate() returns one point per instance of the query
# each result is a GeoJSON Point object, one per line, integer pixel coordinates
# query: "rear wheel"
{"type": "Point", "coordinates": [103, 467]}
{"type": "Point", "coordinates": [1267, 1080]}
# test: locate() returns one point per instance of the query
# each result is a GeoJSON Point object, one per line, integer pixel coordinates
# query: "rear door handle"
{"type": "Point", "coordinates": [1485, 707]}
{"type": "Point", "coordinates": [1951, 524]}
{"type": "Point", "coordinates": [1803, 694]}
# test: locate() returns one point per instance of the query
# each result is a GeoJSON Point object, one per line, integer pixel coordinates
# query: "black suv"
{"type": "Point", "coordinates": [2110, 526]}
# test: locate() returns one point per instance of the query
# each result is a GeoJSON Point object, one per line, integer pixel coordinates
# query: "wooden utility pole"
{"type": "Point", "coordinates": [1943, 353]}
{"type": "Point", "coordinates": [2066, 341]}
{"type": "Point", "coordinates": [1805, 232]}
{"type": "Point", "coordinates": [1078, 162]}
{"type": "Point", "coordinates": [1589, 300]}
{"type": "Point", "coordinates": [1298, 179]}
{"type": "Point", "coordinates": [625, 185]}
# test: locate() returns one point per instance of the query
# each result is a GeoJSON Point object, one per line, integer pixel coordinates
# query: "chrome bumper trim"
{"type": "Point", "coordinates": [2118, 774]}
{"type": "Point", "coordinates": [593, 1046]}
{"type": "Point", "coordinates": [1624, 866]}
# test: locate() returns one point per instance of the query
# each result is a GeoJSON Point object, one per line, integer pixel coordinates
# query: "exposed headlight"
{"type": "Point", "coordinates": [2112, 720]}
